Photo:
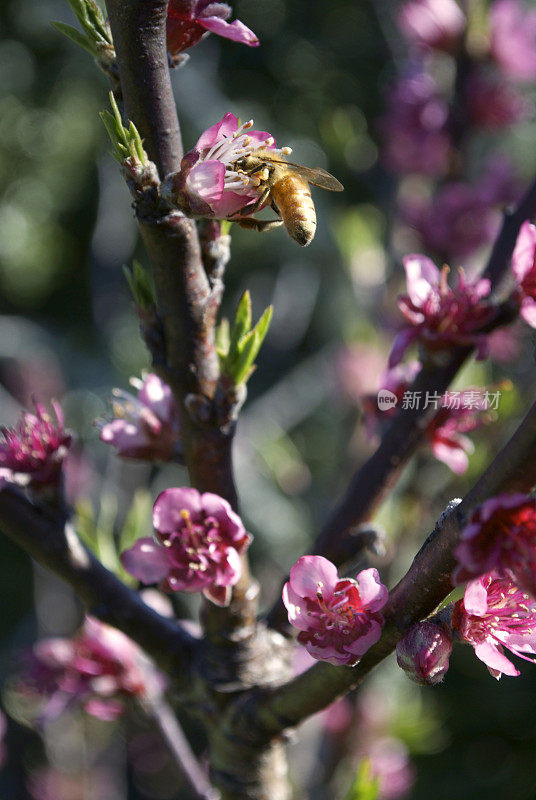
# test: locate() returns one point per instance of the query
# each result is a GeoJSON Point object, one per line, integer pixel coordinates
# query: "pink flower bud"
{"type": "Point", "coordinates": [423, 653]}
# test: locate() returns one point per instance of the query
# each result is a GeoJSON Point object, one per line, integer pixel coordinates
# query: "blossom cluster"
{"type": "Point", "coordinates": [100, 669]}
{"type": "Point", "coordinates": [428, 125]}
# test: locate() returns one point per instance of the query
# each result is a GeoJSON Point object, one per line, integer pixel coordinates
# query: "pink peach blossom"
{"type": "Point", "coordinates": [208, 183]}
{"type": "Point", "coordinates": [338, 619]}
{"type": "Point", "coordinates": [199, 541]}
{"type": "Point", "coordinates": [441, 317]}
{"type": "Point", "coordinates": [495, 614]}
{"type": "Point", "coordinates": [188, 21]}
{"type": "Point", "coordinates": [146, 426]}
{"type": "Point", "coordinates": [32, 453]}
{"type": "Point", "coordinates": [501, 536]}
{"type": "Point", "coordinates": [100, 668]}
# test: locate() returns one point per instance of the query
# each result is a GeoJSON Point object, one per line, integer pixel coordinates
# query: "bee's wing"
{"type": "Point", "coordinates": [316, 176]}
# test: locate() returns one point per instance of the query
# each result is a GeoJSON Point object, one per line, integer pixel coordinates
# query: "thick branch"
{"type": "Point", "coordinates": [56, 546]}
{"type": "Point", "coordinates": [377, 475]}
{"type": "Point", "coordinates": [416, 596]}
{"type": "Point", "coordinates": [187, 304]}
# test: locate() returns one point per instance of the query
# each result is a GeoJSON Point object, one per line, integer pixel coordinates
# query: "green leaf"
{"type": "Point", "coordinates": [237, 360]}
{"type": "Point", "coordinates": [106, 549]}
{"type": "Point", "coordinates": [126, 142]}
{"type": "Point", "coordinates": [91, 19]}
{"type": "Point", "coordinates": [225, 226]}
{"type": "Point", "coordinates": [76, 36]}
{"type": "Point", "coordinates": [364, 787]}
{"type": "Point", "coordinates": [262, 326]}
{"type": "Point", "coordinates": [242, 322]}
{"type": "Point", "coordinates": [223, 338]}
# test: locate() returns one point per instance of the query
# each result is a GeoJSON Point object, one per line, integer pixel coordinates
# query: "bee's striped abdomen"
{"type": "Point", "coordinates": [292, 196]}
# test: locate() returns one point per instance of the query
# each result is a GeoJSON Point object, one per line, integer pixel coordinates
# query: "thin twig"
{"type": "Point", "coordinates": [194, 774]}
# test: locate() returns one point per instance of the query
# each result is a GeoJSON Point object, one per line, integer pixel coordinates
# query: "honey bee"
{"type": "Point", "coordinates": [286, 187]}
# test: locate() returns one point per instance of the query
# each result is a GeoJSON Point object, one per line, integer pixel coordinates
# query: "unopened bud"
{"type": "Point", "coordinates": [423, 653]}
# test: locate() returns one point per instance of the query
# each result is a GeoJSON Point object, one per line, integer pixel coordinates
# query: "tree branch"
{"type": "Point", "coordinates": [371, 481]}
{"type": "Point", "coordinates": [55, 545]}
{"type": "Point", "coordinates": [416, 596]}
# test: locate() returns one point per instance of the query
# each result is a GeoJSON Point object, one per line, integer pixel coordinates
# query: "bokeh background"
{"type": "Point", "coordinates": [319, 82]}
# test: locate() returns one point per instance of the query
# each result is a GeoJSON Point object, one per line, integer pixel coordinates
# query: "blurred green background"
{"type": "Point", "coordinates": [68, 329]}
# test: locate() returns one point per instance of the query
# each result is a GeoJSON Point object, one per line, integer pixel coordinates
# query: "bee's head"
{"type": "Point", "coordinates": [240, 164]}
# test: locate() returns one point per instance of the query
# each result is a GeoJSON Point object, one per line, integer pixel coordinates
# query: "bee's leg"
{"type": "Point", "coordinates": [260, 225]}
{"type": "Point", "coordinates": [260, 201]}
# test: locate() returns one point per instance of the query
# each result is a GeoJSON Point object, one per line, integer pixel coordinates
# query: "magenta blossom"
{"type": "Point", "coordinates": [199, 541]}
{"type": "Point", "coordinates": [208, 183]}
{"type": "Point", "coordinates": [435, 23]}
{"type": "Point", "coordinates": [495, 614]}
{"type": "Point", "coordinates": [423, 653]}
{"type": "Point", "coordinates": [513, 38]}
{"type": "Point", "coordinates": [441, 317]}
{"type": "Point", "coordinates": [188, 21]}
{"type": "Point", "coordinates": [338, 620]}
{"type": "Point", "coordinates": [524, 269]}
{"type": "Point", "coordinates": [501, 536]}
{"type": "Point", "coordinates": [100, 668]}
{"type": "Point", "coordinates": [146, 426]}
{"type": "Point", "coordinates": [414, 127]}
{"type": "Point", "coordinates": [32, 453]}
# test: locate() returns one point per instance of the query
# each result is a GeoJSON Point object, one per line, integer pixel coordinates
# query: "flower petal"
{"type": "Point", "coordinates": [236, 30]}
{"type": "Point", "coordinates": [146, 560]}
{"type": "Point", "coordinates": [422, 277]}
{"type": "Point", "coordinates": [496, 662]}
{"type": "Point", "coordinates": [311, 572]}
{"type": "Point", "coordinates": [169, 504]}
{"type": "Point", "coordinates": [372, 592]}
